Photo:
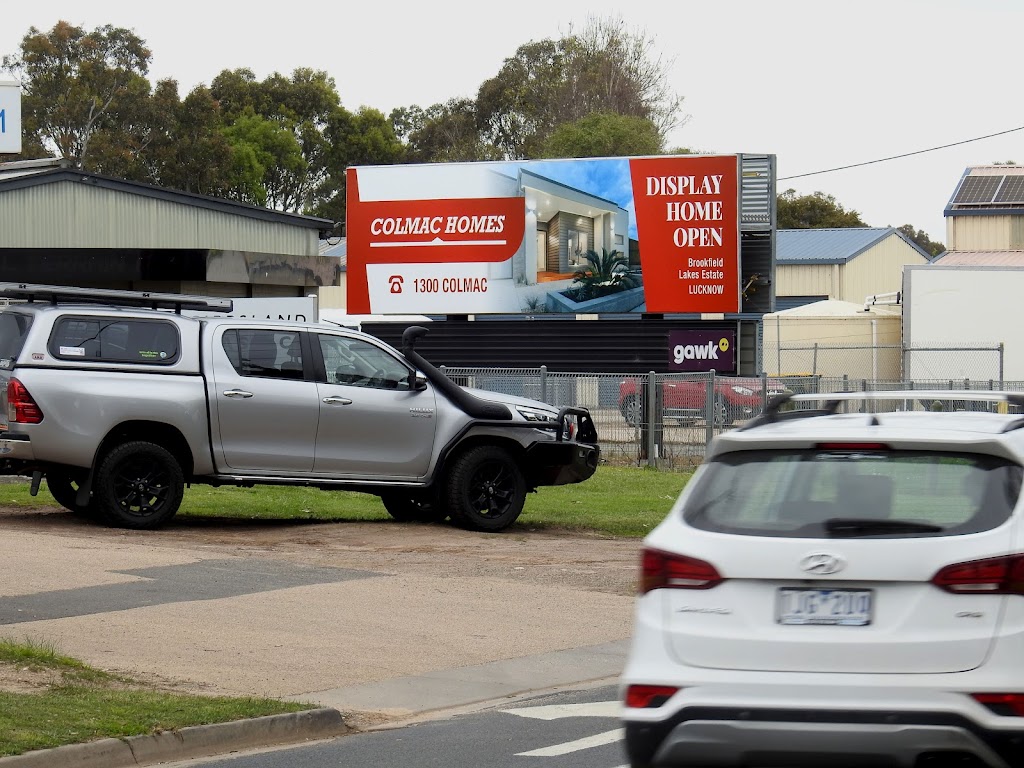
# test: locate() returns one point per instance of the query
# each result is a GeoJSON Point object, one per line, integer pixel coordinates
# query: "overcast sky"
{"type": "Point", "coordinates": [819, 83]}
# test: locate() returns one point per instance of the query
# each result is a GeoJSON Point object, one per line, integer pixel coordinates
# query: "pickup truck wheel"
{"type": "Point", "coordinates": [139, 485]}
{"type": "Point", "coordinates": [63, 486]}
{"type": "Point", "coordinates": [485, 490]}
{"type": "Point", "coordinates": [413, 508]}
{"type": "Point", "coordinates": [631, 411]}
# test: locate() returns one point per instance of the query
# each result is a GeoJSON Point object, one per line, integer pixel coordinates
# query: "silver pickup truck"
{"type": "Point", "coordinates": [121, 399]}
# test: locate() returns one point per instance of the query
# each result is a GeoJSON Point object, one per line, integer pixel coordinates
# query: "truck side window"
{"type": "Point", "coordinates": [264, 353]}
{"type": "Point", "coordinates": [357, 363]}
{"type": "Point", "coordinates": [115, 340]}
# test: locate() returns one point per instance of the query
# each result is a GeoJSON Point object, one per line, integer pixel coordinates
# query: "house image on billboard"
{"type": "Point", "coordinates": [563, 224]}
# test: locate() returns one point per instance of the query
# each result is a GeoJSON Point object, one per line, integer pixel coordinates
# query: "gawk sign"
{"type": "Point", "coordinates": [702, 351]}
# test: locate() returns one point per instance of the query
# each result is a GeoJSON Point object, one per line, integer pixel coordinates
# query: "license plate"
{"type": "Point", "coordinates": [845, 607]}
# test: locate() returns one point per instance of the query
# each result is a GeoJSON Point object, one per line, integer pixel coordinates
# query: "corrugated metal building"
{"type": "Point", "coordinates": [847, 264]}
{"type": "Point", "coordinates": [64, 226]}
{"type": "Point", "coordinates": [986, 210]}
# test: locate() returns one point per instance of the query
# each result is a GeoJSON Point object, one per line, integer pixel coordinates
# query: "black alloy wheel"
{"type": "Point", "coordinates": [486, 489]}
{"type": "Point", "coordinates": [139, 485]}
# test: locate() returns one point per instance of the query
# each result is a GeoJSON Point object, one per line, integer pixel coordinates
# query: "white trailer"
{"type": "Point", "coordinates": [963, 323]}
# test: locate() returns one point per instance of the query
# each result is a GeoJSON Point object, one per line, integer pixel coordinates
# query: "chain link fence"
{"type": "Point", "coordinates": [885, 362]}
{"type": "Point", "coordinates": [668, 420]}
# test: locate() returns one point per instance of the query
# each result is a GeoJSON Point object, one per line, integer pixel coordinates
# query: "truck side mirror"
{"type": "Point", "coordinates": [417, 381]}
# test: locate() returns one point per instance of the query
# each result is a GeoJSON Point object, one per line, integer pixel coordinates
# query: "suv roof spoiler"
{"type": "Point", "coordinates": [56, 294]}
{"type": "Point", "coordinates": [832, 400]}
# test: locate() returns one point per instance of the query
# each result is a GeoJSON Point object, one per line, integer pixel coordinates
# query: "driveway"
{"type": "Point", "coordinates": [381, 618]}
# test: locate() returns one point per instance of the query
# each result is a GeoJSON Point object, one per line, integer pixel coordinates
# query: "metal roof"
{"type": "Point", "coordinates": [832, 246]}
{"type": "Point", "coordinates": [988, 190]}
{"type": "Point", "coordinates": [21, 176]}
{"type": "Point", "coordinates": [980, 259]}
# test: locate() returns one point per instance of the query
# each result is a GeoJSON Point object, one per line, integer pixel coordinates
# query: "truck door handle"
{"type": "Point", "coordinates": [337, 400]}
{"type": "Point", "coordinates": [240, 393]}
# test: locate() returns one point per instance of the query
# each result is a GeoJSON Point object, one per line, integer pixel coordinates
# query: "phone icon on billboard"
{"type": "Point", "coordinates": [396, 283]}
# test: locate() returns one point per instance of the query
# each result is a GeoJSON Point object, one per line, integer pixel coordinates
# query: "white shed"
{"type": "Point", "coordinates": [834, 338]}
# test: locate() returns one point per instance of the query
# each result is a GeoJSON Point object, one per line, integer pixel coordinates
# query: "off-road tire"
{"type": "Point", "coordinates": [138, 485]}
{"type": "Point", "coordinates": [485, 489]}
{"type": "Point", "coordinates": [63, 486]}
{"type": "Point", "coordinates": [411, 507]}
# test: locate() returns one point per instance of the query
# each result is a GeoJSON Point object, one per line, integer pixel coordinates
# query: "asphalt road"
{"type": "Point", "coordinates": [570, 729]}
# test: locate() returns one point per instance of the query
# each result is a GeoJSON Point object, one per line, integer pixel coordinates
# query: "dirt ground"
{"type": "Point", "coordinates": [589, 562]}
{"type": "Point", "coordinates": [585, 561]}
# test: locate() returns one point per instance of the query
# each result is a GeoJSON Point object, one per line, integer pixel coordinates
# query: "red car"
{"type": "Point", "coordinates": [684, 400]}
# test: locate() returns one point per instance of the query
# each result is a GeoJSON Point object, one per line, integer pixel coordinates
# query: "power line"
{"type": "Point", "coordinates": [896, 157]}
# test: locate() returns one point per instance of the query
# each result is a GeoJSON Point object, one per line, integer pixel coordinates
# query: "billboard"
{"type": "Point", "coordinates": [594, 235]}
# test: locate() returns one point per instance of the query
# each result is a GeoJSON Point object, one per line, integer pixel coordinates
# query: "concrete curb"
{"type": "Point", "coordinates": [194, 741]}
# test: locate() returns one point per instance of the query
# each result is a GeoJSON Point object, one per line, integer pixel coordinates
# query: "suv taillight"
{"type": "Point", "coordinates": [649, 696]}
{"type": "Point", "coordinates": [663, 570]}
{"type": "Point", "coordinates": [1005, 704]}
{"type": "Point", "coordinates": [21, 408]}
{"type": "Point", "coordinates": [992, 576]}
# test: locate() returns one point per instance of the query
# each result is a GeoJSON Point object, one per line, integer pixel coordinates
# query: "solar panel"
{"type": "Point", "coordinates": [977, 189]}
{"type": "Point", "coordinates": [1012, 190]}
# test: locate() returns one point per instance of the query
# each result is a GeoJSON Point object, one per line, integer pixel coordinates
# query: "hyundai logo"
{"type": "Point", "coordinates": [822, 563]}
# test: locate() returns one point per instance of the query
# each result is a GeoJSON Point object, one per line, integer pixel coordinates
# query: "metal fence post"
{"type": "Point", "coordinates": [543, 383]}
{"type": "Point", "coordinates": [1002, 352]}
{"type": "Point", "coordinates": [709, 410]}
{"type": "Point", "coordinates": [652, 398]}
{"type": "Point", "coordinates": [764, 390]}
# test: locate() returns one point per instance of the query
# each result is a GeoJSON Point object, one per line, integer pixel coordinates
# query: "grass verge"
{"type": "Point", "coordinates": [616, 501]}
{"type": "Point", "coordinates": [62, 701]}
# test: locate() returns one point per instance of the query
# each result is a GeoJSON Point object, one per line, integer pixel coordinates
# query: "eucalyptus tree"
{"type": "Point", "coordinates": [72, 81]}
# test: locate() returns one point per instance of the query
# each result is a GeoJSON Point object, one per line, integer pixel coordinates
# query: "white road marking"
{"type": "Point", "coordinates": [558, 711]}
{"type": "Point", "coordinates": [597, 740]}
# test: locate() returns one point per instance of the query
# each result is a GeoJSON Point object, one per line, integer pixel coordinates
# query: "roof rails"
{"type": "Point", "coordinates": [832, 400]}
{"type": "Point", "coordinates": [55, 294]}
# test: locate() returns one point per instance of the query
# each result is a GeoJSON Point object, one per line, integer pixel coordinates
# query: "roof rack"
{"type": "Point", "coordinates": [832, 400]}
{"type": "Point", "coordinates": [55, 294]}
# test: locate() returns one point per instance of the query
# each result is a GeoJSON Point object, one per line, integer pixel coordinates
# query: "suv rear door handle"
{"type": "Point", "coordinates": [241, 393]}
{"type": "Point", "coordinates": [337, 400]}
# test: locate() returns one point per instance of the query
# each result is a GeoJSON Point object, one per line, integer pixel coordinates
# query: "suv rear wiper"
{"type": "Point", "coordinates": [866, 526]}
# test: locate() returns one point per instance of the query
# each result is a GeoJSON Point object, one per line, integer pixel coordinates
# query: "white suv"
{"type": "Point", "coordinates": [838, 589]}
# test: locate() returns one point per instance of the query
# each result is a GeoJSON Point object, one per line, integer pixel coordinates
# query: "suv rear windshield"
{"type": "Point", "coordinates": [833, 493]}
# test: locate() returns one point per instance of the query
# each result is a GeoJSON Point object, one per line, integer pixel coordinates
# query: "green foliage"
{"type": "Point", "coordinates": [607, 273]}
{"type": "Point", "coordinates": [599, 91]}
{"type": "Point", "coordinates": [920, 237]}
{"type": "Point", "coordinates": [442, 133]}
{"type": "Point", "coordinates": [607, 68]}
{"type": "Point", "coordinates": [74, 82]}
{"type": "Point", "coordinates": [603, 135]}
{"type": "Point", "coordinates": [816, 211]}
{"type": "Point", "coordinates": [263, 152]}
